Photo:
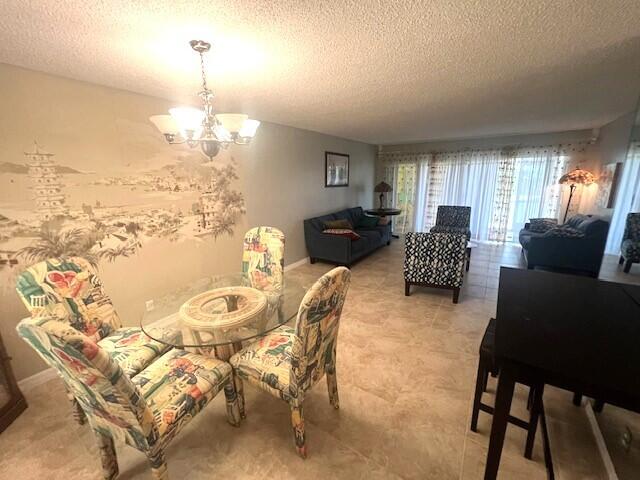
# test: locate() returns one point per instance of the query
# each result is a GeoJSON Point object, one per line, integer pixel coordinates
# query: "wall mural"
{"type": "Point", "coordinates": [48, 209]}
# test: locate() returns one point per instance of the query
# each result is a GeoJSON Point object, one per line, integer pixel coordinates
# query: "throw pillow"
{"type": "Point", "coordinates": [341, 223]}
{"type": "Point", "coordinates": [542, 225]}
{"type": "Point", "coordinates": [366, 221]}
{"type": "Point", "coordinates": [342, 232]}
{"type": "Point", "coordinates": [564, 232]}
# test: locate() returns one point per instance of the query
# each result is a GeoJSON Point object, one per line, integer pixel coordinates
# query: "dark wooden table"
{"type": "Point", "coordinates": [575, 333]}
{"type": "Point", "coordinates": [384, 212]}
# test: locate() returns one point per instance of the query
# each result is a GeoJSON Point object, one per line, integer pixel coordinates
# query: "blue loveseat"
{"type": "Point", "coordinates": [343, 250]}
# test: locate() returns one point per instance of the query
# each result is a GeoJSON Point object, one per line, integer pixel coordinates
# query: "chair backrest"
{"type": "Point", "coordinates": [632, 227]}
{"type": "Point", "coordinates": [453, 216]}
{"type": "Point", "coordinates": [111, 402]}
{"type": "Point", "coordinates": [314, 347]}
{"type": "Point", "coordinates": [69, 288]}
{"type": "Point", "coordinates": [435, 258]}
{"type": "Point", "coordinates": [263, 258]}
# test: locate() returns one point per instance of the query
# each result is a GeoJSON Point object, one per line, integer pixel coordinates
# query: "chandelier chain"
{"type": "Point", "coordinates": [204, 75]}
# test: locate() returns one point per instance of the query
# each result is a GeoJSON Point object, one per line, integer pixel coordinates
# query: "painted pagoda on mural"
{"type": "Point", "coordinates": [49, 197]}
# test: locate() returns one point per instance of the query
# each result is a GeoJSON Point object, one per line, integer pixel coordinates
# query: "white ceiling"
{"type": "Point", "coordinates": [372, 70]}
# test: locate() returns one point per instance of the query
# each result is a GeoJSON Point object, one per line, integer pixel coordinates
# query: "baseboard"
{"type": "Point", "coordinates": [37, 379]}
{"type": "Point", "coordinates": [602, 446]}
{"type": "Point", "coordinates": [297, 264]}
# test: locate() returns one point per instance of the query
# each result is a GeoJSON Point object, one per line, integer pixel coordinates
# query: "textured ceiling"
{"type": "Point", "coordinates": [377, 71]}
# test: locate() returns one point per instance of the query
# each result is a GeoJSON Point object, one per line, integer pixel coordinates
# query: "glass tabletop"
{"type": "Point", "coordinates": [220, 310]}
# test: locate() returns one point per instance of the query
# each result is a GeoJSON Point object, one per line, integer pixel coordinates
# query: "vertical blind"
{"type": "Point", "coordinates": [503, 187]}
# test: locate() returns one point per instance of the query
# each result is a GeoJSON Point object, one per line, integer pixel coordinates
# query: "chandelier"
{"type": "Point", "coordinates": [203, 127]}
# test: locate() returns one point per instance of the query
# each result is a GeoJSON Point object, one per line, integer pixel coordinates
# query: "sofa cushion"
{"type": "Point", "coordinates": [564, 232]}
{"type": "Point", "coordinates": [374, 236]}
{"type": "Point", "coordinates": [318, 222]}
{"type": "Point", "coordinates": [341, 223]}
{"type": "Point", "coordinates": [593, 226]}
{"type": "Point", "coordinates": [360, 246]}
{"type": "Point", "coordinates": [342, 232]}
{"type": "Point", "coordinates": [576, 220]}
{"type": "Point", "coordinates": [365, 221]}
{"type": "Point", "coordinates": [356, 213]}
{"type": "Point", "coordinates": [541, 225]}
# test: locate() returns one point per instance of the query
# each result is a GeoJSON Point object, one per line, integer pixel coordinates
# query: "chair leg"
{"type": "Point", "coordinates": [332, 387]}
{"type": "Point", "coordinates": [107, 456]}
{"type": "Point", "coordinates": [407, 287]}
{"type": "Point", "coordinates": [233, 407]}
{"type": "Point", "coordinates": [297, 421]}
{"type": "Point", "coordinates": [158, 465]}
{"type": "Point", "coordinates": [477, 398]}
{"type": "Point", "coordinates": [598, 405]}
{"type": "Point", "coordinates": [536, 407]}
{"type": "Point", "coordinates": [621, 260]}
{"type": "Point", "coordinates": [239, 388]}
{"type": "Point", "coordinates": [627, 266]}
{"type": "Point", "coordinates": [485, 380]}
{"type": "Point", "coordinates": [456, 294]}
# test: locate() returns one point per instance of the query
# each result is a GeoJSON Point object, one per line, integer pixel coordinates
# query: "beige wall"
{"type": "Point", "coordinates": [106, 134]}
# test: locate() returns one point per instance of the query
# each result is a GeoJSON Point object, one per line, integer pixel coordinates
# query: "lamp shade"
{"type": "Point", "coordinates": [249, 128]}
{"type": "Point", "coordinates": [578, 177]}
{"type": "Point", "coordinates": [383, 187]}
{"type": "Point", "coordinates": [165, 123]}
{"type": "Point", "coordinates": [189, 120]}
{"type": "Point", "coordinates": [232, 122]}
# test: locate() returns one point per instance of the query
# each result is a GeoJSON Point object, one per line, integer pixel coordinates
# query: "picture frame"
{"type": "Point", "coordinates": [608, 185]}
{"type": "Point", "coordinates": [336, 169]}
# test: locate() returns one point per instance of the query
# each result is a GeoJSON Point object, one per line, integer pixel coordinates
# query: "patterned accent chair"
{"type": "Point", "coordinates": [435, 260]}
{"type": "Point", "coordinates": [145, 412]}
{"type": "Point", "coordinates": [453, 219]}
{"type": "Point", "coordinates": [630, 247]}
{"type": "Point", "coordinates": [289, 361]}
{"type": "Point", "coordinates": [69, 289]}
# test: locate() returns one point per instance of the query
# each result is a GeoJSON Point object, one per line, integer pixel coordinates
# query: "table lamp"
{"type": "Point", "coordinates": [574, 178]}
{"type": "Point", "coordinates": [382, 188]}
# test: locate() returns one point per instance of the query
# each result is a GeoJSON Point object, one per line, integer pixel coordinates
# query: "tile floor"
{"type": "Point", "coordinates": [406, 372]}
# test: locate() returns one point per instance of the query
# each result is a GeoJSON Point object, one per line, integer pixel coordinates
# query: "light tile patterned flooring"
{"type": "Point", "coordinates": [406, 372]}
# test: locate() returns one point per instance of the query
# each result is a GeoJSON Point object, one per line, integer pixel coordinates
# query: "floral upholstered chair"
{"type": "Point", "coordinates": [263, 263]}
{"type": "Point", "coordinates": [263, 258]}
{"type": "Point", "coordinates": [435, 260]}
{"type": "Point", "coordinates": [453, 219]}
{"type": "Point", "coordinates": [289, 361]}
{"type": "Point", "coordinates": [145, 412]}
{"type": "Point", "coordinates": [69, 289]}
{"type": "Point", "coordinates": [630, 247]}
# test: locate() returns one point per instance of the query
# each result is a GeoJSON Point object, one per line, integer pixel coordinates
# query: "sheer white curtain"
{"type": "Point", "coordinates": [535, 192]}
{"type": "Point", "coordinates": [406, 173]}
{"type": "Point", "coordinates": [627, 198]}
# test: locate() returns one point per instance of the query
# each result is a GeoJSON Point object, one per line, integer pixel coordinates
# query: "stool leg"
{"type": "Point", "coordinates": [577, 399]}
{"type": "Point", "coordinates": [536, 407]}
{"type": "Point", "coordinates": [482, 371]}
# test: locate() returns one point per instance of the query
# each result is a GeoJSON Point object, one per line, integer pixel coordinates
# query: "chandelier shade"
{"type": "Point", "coordinates": [202, 126]}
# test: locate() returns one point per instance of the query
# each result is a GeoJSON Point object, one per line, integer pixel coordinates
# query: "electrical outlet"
{"type": "Point", "coordinates": [149, 305]}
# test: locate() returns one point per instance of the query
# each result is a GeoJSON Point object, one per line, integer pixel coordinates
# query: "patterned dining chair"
{"type": "Point", "coordinates": [145, 412]}
{"type": "Point", "coordinates": [453, 219]}
{"type": "Point", "coordinates": [435, 260]}
{"type": "Point", "coordinates": [289, 361]}
{"type": "Point", "coordinates": [70, 289]}
{"type": "Point", "coordinates": [630, 246]}
{"type": "Point", "coordinates": [263, 258]}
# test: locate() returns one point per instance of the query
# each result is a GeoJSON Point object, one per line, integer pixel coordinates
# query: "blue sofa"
{"type": "Point", "coordinates": [343, 250]}
{"type": "Point", "coordinates": [579, 255]}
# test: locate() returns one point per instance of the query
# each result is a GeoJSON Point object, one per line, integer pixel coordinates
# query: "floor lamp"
{"type": "Point", "coordinates": [574, 178]}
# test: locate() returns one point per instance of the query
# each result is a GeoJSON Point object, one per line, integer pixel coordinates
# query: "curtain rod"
{"type": "Point", "coordinates": [520, 146]}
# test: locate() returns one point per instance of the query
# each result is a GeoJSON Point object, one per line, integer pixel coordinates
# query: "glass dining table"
{"type": "Point", "coordinates": [216, 314]}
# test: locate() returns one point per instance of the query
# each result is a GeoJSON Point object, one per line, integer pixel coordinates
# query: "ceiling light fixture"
{"type": "Point", "coordinates": [203, 127]}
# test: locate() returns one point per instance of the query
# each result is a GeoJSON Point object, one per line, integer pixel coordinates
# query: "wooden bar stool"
{"type": "Point", "coordinates": [487, 365]}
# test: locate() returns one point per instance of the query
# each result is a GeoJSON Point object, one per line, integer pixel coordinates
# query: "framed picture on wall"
{"type": "Point", "coordinates": [336, 169]}
{"type": "Point", "coordinates": [608, 185]}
